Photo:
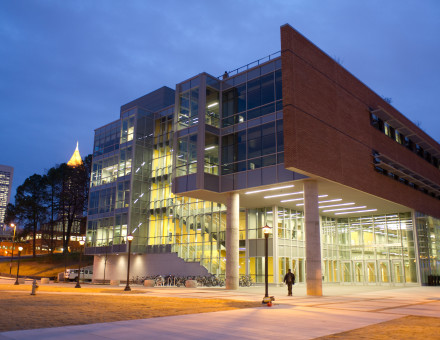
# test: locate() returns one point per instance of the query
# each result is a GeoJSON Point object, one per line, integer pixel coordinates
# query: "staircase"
{"type": "Point", "coordinates": [170, 263]}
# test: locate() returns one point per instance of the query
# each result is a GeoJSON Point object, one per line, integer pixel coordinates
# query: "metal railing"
{"type": "Point", "coordinates": [252, 64]}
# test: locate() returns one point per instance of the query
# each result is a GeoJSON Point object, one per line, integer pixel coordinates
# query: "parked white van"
{"type": "Point", "coordinates": [72, 274]}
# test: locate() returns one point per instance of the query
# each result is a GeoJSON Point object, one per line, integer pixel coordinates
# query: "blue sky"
{"type": "Point", "coordinates": [67, 66]}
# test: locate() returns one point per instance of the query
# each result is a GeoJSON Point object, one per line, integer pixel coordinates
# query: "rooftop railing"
{"type": "Point", "coordinates": [251, 65]}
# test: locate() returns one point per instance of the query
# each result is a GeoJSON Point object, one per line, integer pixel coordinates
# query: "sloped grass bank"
{"type": "Point", "coordinates": [45, 266]}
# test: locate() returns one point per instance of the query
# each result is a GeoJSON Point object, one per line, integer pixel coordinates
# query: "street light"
{"type": "Point", "coordinates": [266, 230]}
{"type": "Point", "coordinates": [12, 225]}
{"type": "Point", "coordinates": [81, 243]}
{"type": "Point", "coordinates": [127, 287]}
{"type": "Point", "coordinates": [18, 265]}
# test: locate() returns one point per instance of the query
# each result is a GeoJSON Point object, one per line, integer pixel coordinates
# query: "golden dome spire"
{"type": "Point", "coordinates": [75, 160]}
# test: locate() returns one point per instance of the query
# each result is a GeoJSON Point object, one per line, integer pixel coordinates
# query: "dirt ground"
{"type": "Point", "coordinates": [408, 327]}
{"type": "Point", "coordinates": [63, 309]}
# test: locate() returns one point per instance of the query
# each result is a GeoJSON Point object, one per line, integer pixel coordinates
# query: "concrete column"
{"type": "Point", "coordinates": [313, 239]}
{"type": "Point", "coordinates": [276, 273]}
{"type": "Point", "coordinates": [232, 240]}
{"type": "Point", "coordinates": [247, 243]}
{"type": "Point", "coordinates": [416, 248]}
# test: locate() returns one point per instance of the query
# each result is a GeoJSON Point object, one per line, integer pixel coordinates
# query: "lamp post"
{"type": "Point", "coordinates": [12, 225]}
{"type": "Point", "coordinates": [18, 265]}
{"type": "Point", "coordinates": [266, 231]}
{"type": "Point", "coordinates": [127, 287]}
{"type": "Point", "coordinates": [81, 243]}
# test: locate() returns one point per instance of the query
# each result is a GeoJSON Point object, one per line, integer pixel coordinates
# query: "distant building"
{"type": "Point", "coordinates": [50, 237]}
{"type": "Point", "coordinates": [349, 186]}
{"type": "Point", "coordinates": [6, 174]}
{"type": "Point", "coordinates": [75, 160]}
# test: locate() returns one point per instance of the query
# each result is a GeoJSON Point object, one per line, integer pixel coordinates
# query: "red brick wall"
{"type": "Point", "coordinates": [327, 129]}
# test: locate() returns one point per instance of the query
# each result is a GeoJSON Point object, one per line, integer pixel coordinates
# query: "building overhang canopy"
{"type": "Point", "coordinates": [335, 200]}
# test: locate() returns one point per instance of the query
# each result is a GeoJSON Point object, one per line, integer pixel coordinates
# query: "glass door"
{"type": "Point", "coordinates": [398, 272]}
{"type": "Point", "coordinates": [384, 272]}
{"type": "Point", "coordinates": [346, 272]}
{"type": "Point", "coordinates": [358, 272]}
{"type": "Point", "coordinates": [371, 273]}
{"type": "Point", "coordinates": [331, 268]}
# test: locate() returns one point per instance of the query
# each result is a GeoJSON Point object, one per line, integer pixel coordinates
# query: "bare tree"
{"type": "Point", "coordinates": [72, 199]}
{"type": "Point", "coordinates": [30, 208]}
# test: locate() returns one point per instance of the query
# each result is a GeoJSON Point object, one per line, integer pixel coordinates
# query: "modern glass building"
{"type": "Point", "coordinates": [6, 175]}
{"type": "Point", "coordinates": [349, 186]}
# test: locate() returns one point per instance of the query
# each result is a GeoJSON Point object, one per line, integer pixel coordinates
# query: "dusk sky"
{"type": "Point", "coordinates": [67, 66]}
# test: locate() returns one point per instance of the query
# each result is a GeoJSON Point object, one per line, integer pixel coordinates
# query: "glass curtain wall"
{"type": "Point", "coordinates": [253, 148]}
{"type": "Point", "coordinates": [198, 233]}
{"type": "Point", "coordinates": [252, 94]}
{"type": "Point", "coordinates": [111, 183]}
{"type": "Point", "coordinates": [289, 241]}
{"type": "Point", "coordinates": [141, 178]}
{"type": "Point", "coordinates": [186, 159]}
{"type": "Point", "coordinates": [188, 105]}
{"type": "Point", "coordinates": [249, 96]}
{"type": "Point", "coordinates": [105, 161]}
{"type": "Point", "coordinates": [369, 249]}
{"type": "Point", "coordinates": [211, 154]}
{"type": "Point", "coordinates": [193, 228]}
{"type": "Point", "coordinates": [428, 241]}
{"type": "Point", "coordinates": [160, 201]}
{"type": "Point", "coordinates": [212, 106]}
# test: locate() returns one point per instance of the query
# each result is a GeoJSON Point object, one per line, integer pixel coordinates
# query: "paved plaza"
{"type": "Point", "coordinates": [341, 309]}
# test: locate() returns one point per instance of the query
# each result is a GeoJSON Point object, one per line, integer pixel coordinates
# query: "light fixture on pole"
{"type": "Point", "coordinates": [127, 287]}
{"type": "Point", "coordinates": [12, 225]}
{"type": "Point", "coordinates": [18, 264]}
{"type": "Point", "coordinates": [81, 243]}
{"type": "Point", "coordinates": [266, 230]}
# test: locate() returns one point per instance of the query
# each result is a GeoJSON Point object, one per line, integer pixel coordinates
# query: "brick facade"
{"type": "Point", "coordinates": [328, 132]}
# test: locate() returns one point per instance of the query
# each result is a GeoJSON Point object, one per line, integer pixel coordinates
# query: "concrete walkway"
{"type": "Point", "coordinates": [342, 308]}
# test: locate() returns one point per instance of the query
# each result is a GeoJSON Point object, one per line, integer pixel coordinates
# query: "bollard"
{"type": "Point", "coordinates": [34, 287]}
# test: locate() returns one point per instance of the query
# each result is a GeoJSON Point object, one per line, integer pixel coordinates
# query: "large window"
{"type": "Point", "coordinates": [212, 109]}
{"type": "Point", "coordinates": [104, 171]}
{"type": "Point", "coordinates": [125, 157]}
{"type": "Point", "coordinates": [188, 106]}
{"type": "Point", "coordinates": [102, 201]}
{"type": "Point", "coordinates": [257, 147]}
{"type": "Point", "coordinates": [369, 249]}
{"type": "Point", "coordinates": [260, 91]}
{"type": "Point", "coordinates": [428, 233]}
{"type": "Point", "coordinates": [234, 101]}
{"type": "Point", "coordinates": [260, 95]}
{"type": "Point", "coordinates": [123, 195]}
{"type": "Point", "coordinates": [211, 154]}
{"type": "Point", "coordinates": [107, 139]}
{"type": "Point", "coordinates": [127, 129]}
{"type": "Point", "coordinates": [186, 157]}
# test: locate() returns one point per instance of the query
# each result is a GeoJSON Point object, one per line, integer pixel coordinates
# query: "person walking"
{"type": "Point", "coordinates": [289, 279]}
